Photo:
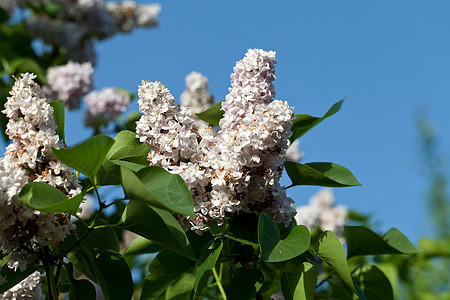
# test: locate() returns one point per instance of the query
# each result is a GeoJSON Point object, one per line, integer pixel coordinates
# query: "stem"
{"type": "Point", "coordinates": [52, 292]}
{"type": "Point", "coordinates": [219, 283]}
{"type": "Point", "coordinates": [114, 202]}
{"type": "Point", "coordinates": [101, 206]}
{"type": "Point", "coordinates": [107, 225]}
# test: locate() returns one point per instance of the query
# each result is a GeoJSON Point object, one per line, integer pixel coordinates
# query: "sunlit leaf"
{"type": "Point", "coordinates": [213, 114]}
{"type": "Point", "coordinates": [330, 249]}
{"type": "Point", "coordinates": [320, 174]}
{"type": "Point", "coordinates": [301, 284]}
{"type": "Point", "coordinates": [275, 249]}
{"type": "Point", "coordinates": [86, 157]}
{"type": "Point", "coordinates": [156, 186]}
{"type": "Point", "coordinates": [363, 241]}
{"type": "Point", "coordinates": [44, 197]}
{"type": "Point", "coordinates": [303, 122]}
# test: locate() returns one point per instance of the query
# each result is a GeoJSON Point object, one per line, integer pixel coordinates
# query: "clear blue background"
{"type": "Point", "coordinates": [389, 59]}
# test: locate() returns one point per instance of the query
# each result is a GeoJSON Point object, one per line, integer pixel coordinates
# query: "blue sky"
{"type": "Point", "coordinates": [389, 59]}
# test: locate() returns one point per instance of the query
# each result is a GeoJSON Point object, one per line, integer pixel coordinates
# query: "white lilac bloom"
{"type": "Point", "coordinates": [29, 288]}
{"type": "Point", "coordinates": [128, 14]}
{"type": "Point", "coordinates": [293, 153]}
{"type": "Point", "coordinates": [236, 169]}
{"type": "Point", "coordinates": [196, 95]}
{"type": "Point", "coordinates": [105, 105]}
{"type": "Point", "coordinates": [28, 158]}
{"type": "Point", "coordinates": [322, 213]}
{"type": "Point", "coordinates": [69, 82]}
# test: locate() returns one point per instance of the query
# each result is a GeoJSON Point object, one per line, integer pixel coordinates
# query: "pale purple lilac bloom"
{"type": "Point", "coordinates": [236, 169]}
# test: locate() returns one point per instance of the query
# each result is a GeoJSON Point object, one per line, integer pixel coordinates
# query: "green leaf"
{"type": "Point", "coordinates": [44, 197]}
{"type": "Point", "coordinates": [207, 262]}
{"type": "Point", "coordinates": [182, 288]}
{"type": "Point", "coordinates": [330, 249]}
{"type": "Point", "coordinates": [299, 285]}
{"type": "Point", "coordinates": [59, 116]}
{"type": "Point", "coordinates": [106, 268]}
{"type": "Point", "coordinates": [303, 122]}
{"type": "Point", "coordinates": [26, 65]}
{"type": "Point", "coordinates": [86, 157]}
{"type": "Point", "coordinates": [435, 247]}
{"type": "Point", "coordinates": [129, 165]}
{"type": "Point", "coordinates": [244, 284]}
{"type": "Point", "coordinates": [141, 245]}
{"type": "Point", "coordinates": [158, 187]}
{"type": "Point", "coordinates": [127, 148]}
{"type": "Point", "coordinates": [213, 114]}
{"type": "Point", "coordinates": [244, 229]}
{"type": "Point", "coordinates": [275, 249]}
{"type": "Point", "coordinates": [157, 225]}
{"type": "Point", "coordinates": [320, 173]}
{"type": "Point", "coordinates": [164, 269]}
{"type": "Point", "coordinates": [14, 277]}
{"type": "Point", "coordinates": [373, 283]}
{"type": "Point", "coordinates": [103, 238]}
{"type": "Point", "coordinates": [82, 290]}
{"type": "Point", "coordinates": [363, 241]}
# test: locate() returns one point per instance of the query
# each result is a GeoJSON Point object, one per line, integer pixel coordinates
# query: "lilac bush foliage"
{"type": "Point", "coordinates": [236, 168]}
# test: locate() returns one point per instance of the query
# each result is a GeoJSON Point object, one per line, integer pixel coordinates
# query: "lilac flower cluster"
{"type": "Point", "coordinates": [81, 22]}
{"type": "Point", "coordinates": [28, 158]}
{"type": "Point", "coordinates": [236, 169]}
{"type": "Point", "coordinates": [322, 213]}
{"type": "Point", "coordinates": [69, 82]}
{"type": "Point", "coordinates": [105, 105]}
{"type": "Point", "coordinates": [29, 288]}
{"type": "Point", "coordinates": [196, 95]}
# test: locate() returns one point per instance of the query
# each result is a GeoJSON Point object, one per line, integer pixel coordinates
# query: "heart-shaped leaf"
{"type": "Point", "coordinates": [157, 225]}
{"type": "Point", "coordinates": [44, 197]}
{"type": "Point", "coordinates": [320, 173]}
{"type": "Point", "coordinates": [330, 249]}
{"type": "Point", "coordinates": [300, 284]}
{"type": "Point", "coordinates": [158, 187]}
{"type": "Point", "coordinates": [373, 283]}
{"type": "Point", "coordinates": [86, 157]}
{"type": "Point", "coordinates": [275, 249]}
{"type": "Point", "coordinates": [363, 241]}
{"type": "Point", "coordinates": [127, 148]}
